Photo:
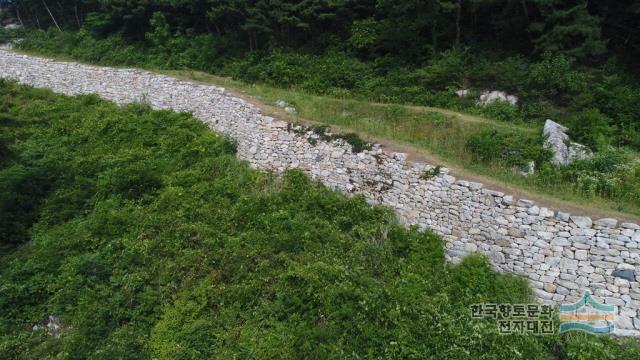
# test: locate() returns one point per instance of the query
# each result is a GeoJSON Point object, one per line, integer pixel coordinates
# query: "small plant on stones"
{"type": "Point", "coordinates": [322, 133]}
{"type": "Point", "coordinates": [431, 173]}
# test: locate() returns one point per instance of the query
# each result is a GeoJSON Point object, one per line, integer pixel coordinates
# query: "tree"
{"type": "Point", "coordinates": [568, 29]}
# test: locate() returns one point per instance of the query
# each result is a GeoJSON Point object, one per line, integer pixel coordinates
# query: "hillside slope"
{"type": "Point", "coordinates": [477, 148]}
{"type": "Point", "coordinates": [144, 237]}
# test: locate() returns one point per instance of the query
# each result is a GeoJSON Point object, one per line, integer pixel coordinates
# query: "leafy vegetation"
{"type": "Point", "coordinates": [486, 147]}
{"type": "Point", "coordinates": [552, 87]}
{"type": "Point", "coordinates": [569, 61]}
{"type": "Point", "coordinates": [508, 149]}
{"type": "Point", "coordinates": [559, 57]}
{"type": "Point", "coordinates": [145, 235]}
{"type": "Point", "coordinates": [151, 240]}
{"type": "Point", "coordinates": [324, 133]}
{"type": "Point", "coordinates": [431, 173]}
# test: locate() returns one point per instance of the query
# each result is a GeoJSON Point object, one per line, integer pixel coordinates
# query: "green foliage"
{"type": "Point", "coordinates": [569, 29]}
{"type": "Point", "coordinates": [620, 101]}
{"type": "Point", "coordinates": [610, 174]}
{"type": "Point", "coordinates": [550, 86]}
{"type": "Point", "coordinates": [161, 34]}
{"type": "Point", "coordinates": [324, 133]}
{"type": "Point", "coordinates": [507, 148]}
{"type": "Point", "coordinates": [591, 128]}
{"type": "Point", "coordinates": [431, 173]}
{"type": "Point", "coordinates": [171, 248]}
{"type": "Point", "coordinates": [502, 110]}
{"type": "Point", "coordinates": [357, 143]}
{"type": "Point", "coordinates": [364, 34]}
{"type": "Point", "coordinates": [21, 192]}
{"type": "Point", "coordinates": [8, 35]}
{"type": "Point", "coordinates": [448, 69]}
{"type": "Point", "coordinates": [554, 77]}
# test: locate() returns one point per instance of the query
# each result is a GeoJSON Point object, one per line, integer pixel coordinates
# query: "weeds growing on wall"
{"type": "Point", "coordinates": [323, 133]}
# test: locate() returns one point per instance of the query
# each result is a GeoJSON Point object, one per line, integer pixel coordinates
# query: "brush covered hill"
{"type": "Point", "coordinates": [141, 236]}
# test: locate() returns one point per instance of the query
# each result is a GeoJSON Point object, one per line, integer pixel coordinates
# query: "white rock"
{"type": "Point", "coordinates": [564, 151]}
{"type": "Point", "coordinates": [488, 97]}
{"type": "Point", "coordinates": [606, 222]}
{"type": "Point", "coordinates": [582, 221]}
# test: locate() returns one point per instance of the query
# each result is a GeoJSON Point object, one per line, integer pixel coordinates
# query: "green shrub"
{"type": "Point", "coordinates": [431, 173]}
{"type": "Point", "coordinates": [506, 148]}
{"type": "Point", "coordinates": [22, 192]}
{"type": "Point", "coordinates": [357, 143]}
{"type": "Point", "coordinates": [555, 78]}
{"type": "Point", "coordinates": [502, 110]}
{"type": "Point", "coordinates": [364, 34]}
{"type": "Point", "coordinates": [446, 70]}
{"type": "Point", "coordinates": [554, 86]}
{"type": "Point", "coordinates": [610, 174]}
{"type": "Point", "coordinates": [8, 35]}
{"type": "Point", "coordinates": [591, 128]}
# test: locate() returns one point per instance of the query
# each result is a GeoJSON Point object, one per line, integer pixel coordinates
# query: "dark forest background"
{"type": "Point", "coordinates": [411, 30]}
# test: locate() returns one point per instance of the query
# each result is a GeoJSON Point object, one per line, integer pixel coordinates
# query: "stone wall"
{"type": "Point", "coordinates": [562, 255]}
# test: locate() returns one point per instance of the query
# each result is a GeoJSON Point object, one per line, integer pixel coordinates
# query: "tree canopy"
{"type": "Point", "coordinates": [408, 28]}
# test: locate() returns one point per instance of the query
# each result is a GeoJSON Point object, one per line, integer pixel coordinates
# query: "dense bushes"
{"type": "Point", "coordinates": [600, 115]}
{"type": "Point", "coordinates": [153, 241]}
{"type": "Point", "coordinates": [553, 86]}
{"type": "Point", "coordinates": [610, 174]}
{"type": "Point", "coordinates": [507, 148]}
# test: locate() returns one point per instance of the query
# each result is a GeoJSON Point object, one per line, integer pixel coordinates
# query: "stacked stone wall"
{"type": "Point", "coordinates": [562, 255]}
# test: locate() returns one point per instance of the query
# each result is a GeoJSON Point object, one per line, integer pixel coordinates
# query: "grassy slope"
{"type": "Point", "coordinates": [149, 239]}
{"type": "Point", "coordinates": [428, 134]}
{"type": "Point", "coordinates": [435, 135]}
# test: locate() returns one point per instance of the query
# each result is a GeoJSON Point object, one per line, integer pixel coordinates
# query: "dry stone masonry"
{"type": "Point", "coordinates": [561, 254]}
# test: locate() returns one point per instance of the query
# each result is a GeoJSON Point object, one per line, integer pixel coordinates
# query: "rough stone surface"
{"type": "Point", "coordinates": [488, 97]}
{"type": "Point", "coordinates": [562, 256]}
{"type": "Point", "coordinates": [53, 326]}
{"type": "Point", "coordinates": [564, 151]}
{"type": "Point", "coordinates": [628, 275]}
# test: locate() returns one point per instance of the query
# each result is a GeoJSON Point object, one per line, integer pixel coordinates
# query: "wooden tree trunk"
{"type": "Point", "coordinates": [458, 18]}
{"type": "Point", "coordinates": [75, 10]}
{"type": "Point", "coordinates": [18, 15]}
{"type": "Point", "coordinates": [50, 14]}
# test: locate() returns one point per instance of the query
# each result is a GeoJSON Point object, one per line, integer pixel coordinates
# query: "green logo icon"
{"type": "Point", "coordinates": [587, 315]}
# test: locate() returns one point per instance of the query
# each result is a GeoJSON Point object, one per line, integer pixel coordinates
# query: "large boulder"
{"type": "Point", "coordinates": [489, 97]}
{"type": "Point", "coordinates": [564, 151]}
